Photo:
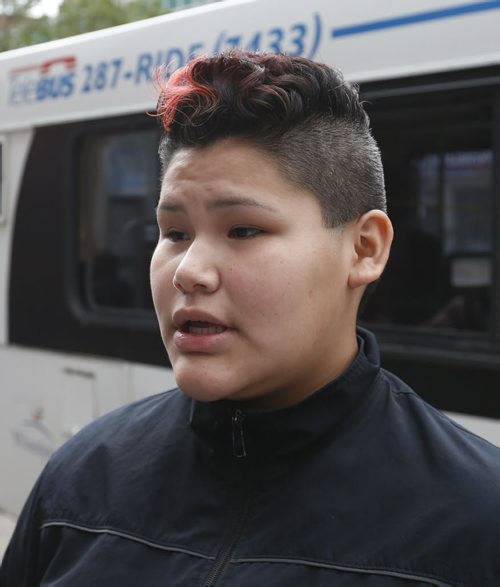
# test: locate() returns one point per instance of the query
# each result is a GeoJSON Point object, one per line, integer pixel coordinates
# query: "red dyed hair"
{"type": "Point", "coordinates": [183, 89]}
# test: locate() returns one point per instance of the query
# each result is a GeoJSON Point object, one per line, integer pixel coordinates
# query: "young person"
{"type": "Point", "coordinates": [287, 456]}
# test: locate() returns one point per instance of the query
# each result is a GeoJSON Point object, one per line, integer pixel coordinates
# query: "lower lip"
{"type": "Point", "coordinates": [201, 343]}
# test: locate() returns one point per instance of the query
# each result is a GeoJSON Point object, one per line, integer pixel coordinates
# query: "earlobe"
{"type": "Point", "coordinates": [372, 241]}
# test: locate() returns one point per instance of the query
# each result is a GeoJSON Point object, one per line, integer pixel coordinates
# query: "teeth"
{"type": "Point", "coordinates": [205, 330]}
{"type": "Point", "coordinates": [200, 328]}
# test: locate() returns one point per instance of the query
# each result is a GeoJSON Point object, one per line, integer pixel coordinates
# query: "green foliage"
{"type": "Point", "coordinates": [77, 16]}
{"type": "Point", "coordinates": [18, 28]}
{"type": "Point", "coordinates": [139, 9]}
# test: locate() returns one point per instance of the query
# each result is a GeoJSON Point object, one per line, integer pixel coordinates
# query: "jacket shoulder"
{"type": "Point", "coordinates": [458, 471]}
{"type": "Point", "coordinates": [124, 425]}
{"type": "Point", "coordinates": [446, 433]}
{"type": "Point", "coordinates": [109, 451]}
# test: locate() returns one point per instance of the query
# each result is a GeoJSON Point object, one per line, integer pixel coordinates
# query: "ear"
{"type": "Point", "coordinates": [372, 235]}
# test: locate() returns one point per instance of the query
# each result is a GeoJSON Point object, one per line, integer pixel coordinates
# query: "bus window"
{"type": "Point", "coordinates": [117, 229]}
{"type": "Point", "coordinates": [438, 160]}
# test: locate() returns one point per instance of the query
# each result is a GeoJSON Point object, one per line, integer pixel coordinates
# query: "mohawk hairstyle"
{"type": "Point", "coordinates": [304, 114]}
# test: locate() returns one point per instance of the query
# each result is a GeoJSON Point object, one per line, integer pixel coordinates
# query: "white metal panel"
{"type": "Point", "coordinates": [147, 380]}
{"type": "Point", "coordinates": [3, 179]}
{"type": "Point", "coordinates": [78, 401]}
{"type": "Point", "coordinates": [7, 524]}
{"type": "Point", "coordinates": [109, 72]}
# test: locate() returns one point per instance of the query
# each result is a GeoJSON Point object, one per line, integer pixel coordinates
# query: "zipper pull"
{"type": "Point", "coordinates": [239, 449]}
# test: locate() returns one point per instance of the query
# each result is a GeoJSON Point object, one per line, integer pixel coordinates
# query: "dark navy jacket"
{"type": "Point", "coordinates": [362, 484]}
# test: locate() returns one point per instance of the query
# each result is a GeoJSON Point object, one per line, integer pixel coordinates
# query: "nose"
{"type": "Point", "coordinates": [197, 270]}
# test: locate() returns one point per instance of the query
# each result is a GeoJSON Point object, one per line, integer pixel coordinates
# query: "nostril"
{"type": "Point", "coordinates": [177, 285]}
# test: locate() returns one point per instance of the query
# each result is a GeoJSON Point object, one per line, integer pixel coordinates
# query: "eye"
{"type": "Point", "coordinates": [244, 232]}
{"type": "Point", "coordinates": [176, 236]}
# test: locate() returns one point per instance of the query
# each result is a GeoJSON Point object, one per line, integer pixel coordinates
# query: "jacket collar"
{"type": "Point", "coordinates": [267, 433]}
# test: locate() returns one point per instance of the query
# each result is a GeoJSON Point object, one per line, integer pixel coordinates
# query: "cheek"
{"type": "Point", "coordinates": [267, 290]}
{"type": "Point", "coordinates": [161, 277]}
{"type": "Point", "coordinates": [292, 290]}
{"type": "Point", "coordinates": [154, 270]}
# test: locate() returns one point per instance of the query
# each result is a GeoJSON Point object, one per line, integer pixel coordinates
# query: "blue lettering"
{"type": "Point", "coordinates": [88, 76]}
{"type": "Point", "coordinates": [317, 35]}
{"type": "Point", "coordinates": [195, 49]}
{"type": "Point", "coordinates": [55, 87]}
{"type": "Point", "coordinates": [67, 84]}
{"type": "Point", "coordinates": [22, 91]}
{"type": "Point", "coordinates": [298, 39]}
{"type": "Point", "coordinates": [174, 59]}
{"type": "Point", "coordinates": [274, 44]}
{"type": "Point", "coordinates": [16, 93]}
{"type": "Point", "coordinates": [255, 42]}
{"type": "Point", "coordinates": [117, 65]}
{"type": "Point", "coordinates": [29, 91]}
{"type": "Point", "coordinates": [159, 59]}
{"type": "Point", "coordinates": [144, 68]}
{"type": "Point", "coordinates": [219, 43]}
{"type": "Point", "coordinates": [234, 41]}
{"type": "Point", "coordinates": [100, 78]}
{"type": "Point", "coordinates": [42, 89]}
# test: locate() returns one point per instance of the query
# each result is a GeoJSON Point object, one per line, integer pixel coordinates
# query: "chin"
{"type": "Point", "coordinates": [204, 389]}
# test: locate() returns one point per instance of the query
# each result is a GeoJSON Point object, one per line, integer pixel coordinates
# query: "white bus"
{"type": "Point", "coordinates": [79, 182]}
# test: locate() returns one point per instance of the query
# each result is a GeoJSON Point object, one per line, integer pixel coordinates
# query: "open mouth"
{"type": "Point", "coordinates": [201, 327]}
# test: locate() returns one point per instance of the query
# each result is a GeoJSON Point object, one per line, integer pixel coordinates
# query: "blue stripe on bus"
{"type": "Point", "coordinates": [377, 25]}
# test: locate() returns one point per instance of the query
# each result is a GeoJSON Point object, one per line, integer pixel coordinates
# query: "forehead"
{"type": "Point", "coordinates": [229, 158]}
{"type": "Point", "coordinates": [229, 169]}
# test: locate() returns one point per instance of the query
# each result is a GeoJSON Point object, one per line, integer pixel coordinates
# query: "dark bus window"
{"type": "Point", "coordinates": [438, 160]}
{"type": "Point", "coordinates": [119, 183]}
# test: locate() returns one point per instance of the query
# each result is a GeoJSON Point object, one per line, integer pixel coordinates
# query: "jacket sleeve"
{"type": "Point", "coordinates": [20, 565]}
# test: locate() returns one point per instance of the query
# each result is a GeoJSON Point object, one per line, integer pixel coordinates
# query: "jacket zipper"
{"type": "Point", "coordinates": [224, 554]}
{"type": "Point", "coordinates": [239, 449]}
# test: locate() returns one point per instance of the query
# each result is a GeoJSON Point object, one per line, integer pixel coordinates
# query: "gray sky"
{"type": "Point", "coordinates": [48, 7]}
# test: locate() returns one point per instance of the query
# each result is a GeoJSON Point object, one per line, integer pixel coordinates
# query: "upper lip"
{"type": "Point", "coordinates": [180, 317]}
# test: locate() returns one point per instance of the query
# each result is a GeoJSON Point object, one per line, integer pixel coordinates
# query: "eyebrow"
{"type": "Point", "coordinates": [166, 206]}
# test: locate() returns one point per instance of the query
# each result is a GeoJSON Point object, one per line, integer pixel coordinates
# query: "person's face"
{"type": "Point", "coordinates": [249, 286]}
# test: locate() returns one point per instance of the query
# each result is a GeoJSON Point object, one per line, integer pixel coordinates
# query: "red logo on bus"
{"type": "Point", "coordinates": [67, 63]}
